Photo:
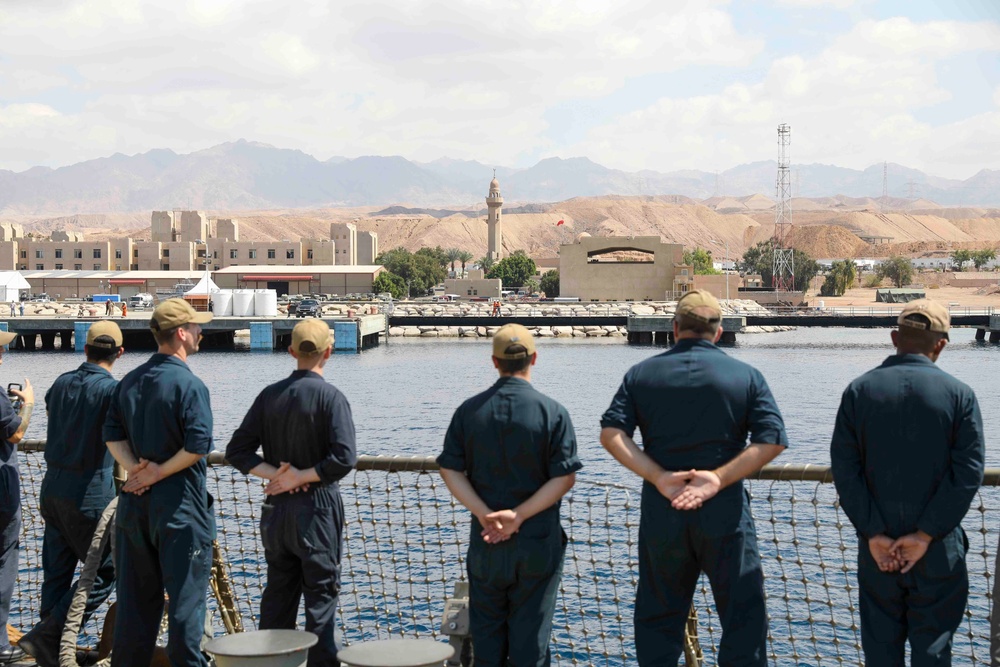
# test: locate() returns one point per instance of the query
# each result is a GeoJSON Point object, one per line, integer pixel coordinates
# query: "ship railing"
{"type": "Point", "coordinates": [406, 538]}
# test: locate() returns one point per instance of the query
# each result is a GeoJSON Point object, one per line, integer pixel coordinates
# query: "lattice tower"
{"type": "Point", "coordinates": [783, 266]}
{"type": "Point", "coordinates": [885, 186]}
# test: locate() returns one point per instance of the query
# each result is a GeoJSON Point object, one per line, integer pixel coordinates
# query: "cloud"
{"type": "Point", "coordinates": [853, 104]}
{"type": "Point", "coordinates": [471, 79]}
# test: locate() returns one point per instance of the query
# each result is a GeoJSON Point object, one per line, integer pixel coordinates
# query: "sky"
{"type": "Point", "coordinates": [660, 84]}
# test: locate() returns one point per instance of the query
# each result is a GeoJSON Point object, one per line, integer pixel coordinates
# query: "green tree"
{"type": "Point", "coordinates": [960, 257]}
{"type": "Point", "coordinates": [391, 283]}
{"type": "Point", "coordinates": [550, 283]}
{"type": "Point", "coordinates": [421, 270]}
{"type": "Point", "coordinates": [485, 263]}
{"type": "Point", "coordinates": [452, 255]}
{"type": "Point", "coordinates": [532, 285]}
{"type": "Point", "coordinates": [464, 257]}
{"type": "Point", "coordinates": [897, 269]}
{"type": "Point", "coordinates": [981, 258]}
{"type": "Point", "coordinates": [760, 259]}
{"type": "Point", "coordinates": [513, 271]}
{"type": "Point", "coordinates": [701, 260]}
{"type": "Point", "coordinates": [840, 278]}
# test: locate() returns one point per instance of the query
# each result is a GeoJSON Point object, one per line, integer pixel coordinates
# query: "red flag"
{"type": "Point", "coordinates": [561, 222]}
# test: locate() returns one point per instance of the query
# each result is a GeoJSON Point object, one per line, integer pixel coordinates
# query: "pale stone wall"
{"type": "Point", "coordinates": [162, 226]}
{"type": "Point", "coordinates": [193, 226]}
{"type": "Point", "coordinates": [227, 229]}
{"type": "Point", "coordinates": [150, 255]}
{"type": "Point", "coordinates": [322, 251]}
{"type": "Point", "coordinates": [64, 256]}
{"type": "Point", "coordinates": [65, 236]}
{"type": "Point", "coordinates": [8, 256]}
{"type": "Point", "coordinates": [469, 287]}
{"type": "Point", "coordinates": [717, 285]}
{"type": "Point", "coordinates": [617, 281]}
{"type": "Point", "coordinates": [345, 236]}
{"type": "Point", "coordinates": [367, 248]}
{"type": "Point", "coordinates": [122, 255]}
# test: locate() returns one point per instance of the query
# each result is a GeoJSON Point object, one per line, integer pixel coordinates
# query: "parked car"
{"type": "Point", "coordinates": [307, 308]}
{"type": "Point", "coordinates": [40, 298]}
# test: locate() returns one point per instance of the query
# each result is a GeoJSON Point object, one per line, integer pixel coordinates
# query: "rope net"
{"type": "Point", "coordinates": [405, 543]}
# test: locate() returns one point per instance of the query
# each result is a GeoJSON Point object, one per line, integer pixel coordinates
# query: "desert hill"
{"type": "Point", "coordinates": [827, 228]}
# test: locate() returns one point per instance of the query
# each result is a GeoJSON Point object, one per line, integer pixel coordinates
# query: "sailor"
{"type": "Point", "coordinates": [305, 427]}
{"type": "Point", "coordinates": [509, 457]}
{"type": "Point", "coordinates": [696, 407]}
{"type": "Point", "coordinates": [13, 424]}
{"type": "Point", "coordinates": [77, 486]}
{"type": "Point", "coordinates": [159, 428]}
{"type": "Point", "coordinates": [907, 456]}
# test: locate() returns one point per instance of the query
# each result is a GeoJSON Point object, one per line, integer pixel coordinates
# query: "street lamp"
{"type": "Point", "coordinates": [725, 270]}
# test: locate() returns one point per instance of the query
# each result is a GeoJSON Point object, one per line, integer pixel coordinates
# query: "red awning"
{"type": "Point", "coordinates": [127, 281]}
{"type": "Point", "coordinates": [276, 278]}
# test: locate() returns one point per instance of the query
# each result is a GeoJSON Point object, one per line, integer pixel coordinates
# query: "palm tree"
{"type": "Point", "coordinates": [485, 263]}
{"type": "Point", "coordinates": [465, 257]}
{"type": "Point", "coordinates": [452, 255]}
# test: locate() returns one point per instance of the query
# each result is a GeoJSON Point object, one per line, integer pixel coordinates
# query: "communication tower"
{"type": "Point", "coordinates": [783, 267]}
{"type": "Point", "coordinates": [885, 186]}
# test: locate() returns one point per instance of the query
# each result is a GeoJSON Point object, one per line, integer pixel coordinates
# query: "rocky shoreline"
{"type": "Point", "coordinates": [547, 309]}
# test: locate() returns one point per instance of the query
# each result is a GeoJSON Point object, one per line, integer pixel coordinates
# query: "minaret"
{"type": "Point", "coordinates": [494, 202]}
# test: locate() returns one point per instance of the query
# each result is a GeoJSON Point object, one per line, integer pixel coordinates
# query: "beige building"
{"type": "Point", "coordinates": [470, 288]}
{"type": "Point", "coordinates": [345, 236]}
{"type": "Point", "coordinates": [367, 247]}
{"type": "Point", "coordinates": [620, 268]}
{"type": "Point", "coordinates": [339, 280]}
{"type": "Point", "coordinates": [10, 231]}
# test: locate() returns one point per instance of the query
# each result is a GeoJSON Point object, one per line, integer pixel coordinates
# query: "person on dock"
{"type": "Point", "coordinates": [109, 308]}
{"type": "Point", "coordinates": [907, 455]}
{"type": "Point", "coordinates": [516, 542]}
{"type": "Point", "coordinates": [696, 407]}
{"type": "Point", "coordinates": [78, 485]}
{"type": "Point", "coordinates": [13, 313]}
{"type": "Point", "coordinates": [124, 309]}
{"type": "Point", "coordinates": [13, 425]}
{"type": "Point", "coordinates": [159, 428]}
{"type": "Point", "coordinates": [306, 431]}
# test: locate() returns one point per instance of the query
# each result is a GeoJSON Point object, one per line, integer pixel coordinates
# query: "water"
{"type": "Point", "coordinates": [403, 392]}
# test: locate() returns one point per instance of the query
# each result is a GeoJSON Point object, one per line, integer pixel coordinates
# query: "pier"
{"type": "Point", "coordinates": [351, 334]}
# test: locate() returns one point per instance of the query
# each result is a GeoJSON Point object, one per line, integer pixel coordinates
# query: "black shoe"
{"type": "Point", "coordinates": [10, 654]}
{"type": "Point", "coordinates": [42, 644]}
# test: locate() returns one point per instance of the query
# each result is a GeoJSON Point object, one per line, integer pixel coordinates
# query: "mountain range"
{"type": "Point", "coordinates": [245, 175]}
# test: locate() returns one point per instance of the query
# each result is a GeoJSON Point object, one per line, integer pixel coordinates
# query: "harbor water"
{"type": "Point", "coordinates": [403, 394]}
{"type": "Point", "coordinates": [404, 391]}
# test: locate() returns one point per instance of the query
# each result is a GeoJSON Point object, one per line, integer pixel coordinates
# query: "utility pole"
{"type": "Point", "coordinates": [783, 265]}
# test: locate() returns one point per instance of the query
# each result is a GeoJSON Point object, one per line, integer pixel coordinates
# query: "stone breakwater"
{"type": "Point", "coordinates": [546, 309]}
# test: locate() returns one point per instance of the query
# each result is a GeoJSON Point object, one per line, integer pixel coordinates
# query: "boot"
{"type": "Point", "coordinates": [42, 643]}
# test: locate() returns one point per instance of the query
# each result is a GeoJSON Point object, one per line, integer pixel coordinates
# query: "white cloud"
{"type": "Point", "coordinates": [853, 104]}
{"type": "Point", "coordinates": [813, 4]}
{"type": "Point", "coordinates": [471, 79]}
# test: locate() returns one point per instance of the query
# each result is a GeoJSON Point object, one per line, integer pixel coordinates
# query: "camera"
{"type": "Point", "coordinates": [15, 400]}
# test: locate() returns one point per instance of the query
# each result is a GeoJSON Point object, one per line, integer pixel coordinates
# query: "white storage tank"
{"type": "Point", "coordinates": [242, 303]}
{"type": "Point", "coordinates": [222, 303]}
{"type": "Point", "coordinates": [265, 303]}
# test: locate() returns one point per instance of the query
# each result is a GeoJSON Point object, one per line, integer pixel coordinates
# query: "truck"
{"type": "Point", "coordinates": [141, 301]}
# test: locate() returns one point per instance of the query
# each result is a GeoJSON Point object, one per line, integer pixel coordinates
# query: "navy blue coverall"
{"type": "Point", "coordinates": [907, 455]}
{"type": "Point", "coordinates": [77, 486]}
{"type": "Point", "coordinates": [10, 512]}
{"type": "Point", "coordinates": [307, 422]}
{"type": "Point", "coordinates": [695, 407]}
{"type": "Point", "coordinates": [509, 441]}
{"type": "Point", "coordinates": [163, 537]}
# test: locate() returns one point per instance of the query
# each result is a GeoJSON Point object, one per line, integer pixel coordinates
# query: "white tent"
{"type": "Point", "coordinates": [11, 283]}
{"type": "Point", "coordinates": [205, 286]}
